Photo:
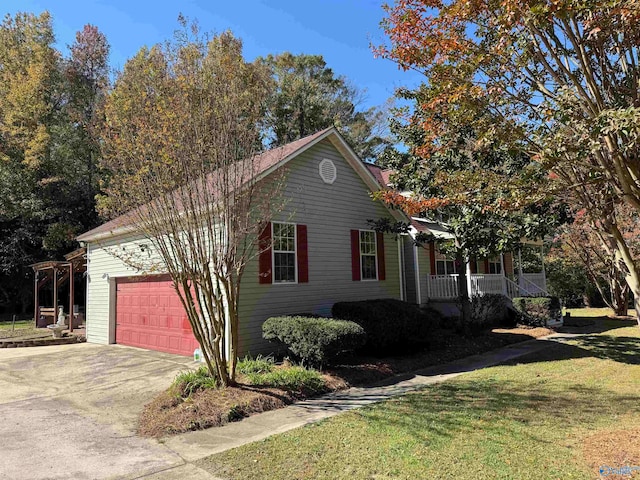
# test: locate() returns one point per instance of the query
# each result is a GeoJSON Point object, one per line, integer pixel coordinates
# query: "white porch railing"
{"type": "Point", "coordinates": [444, 287]}
{"type": "Point", "coordinates": [535, 283]}
{"type": "Point", "coordinates": [484, 283]}
{"type": "Point", "coordinates": [441, 287]}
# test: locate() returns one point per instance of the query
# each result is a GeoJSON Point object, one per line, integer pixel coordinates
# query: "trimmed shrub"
{"type": "Point", "coordinates": [537, 311]}
{"type": "Point", "coordinates": [390, 324]}
{"type": "Point", "coordinates": [314, 341]}
{"type": "Point", "coordinates": [489, 311]}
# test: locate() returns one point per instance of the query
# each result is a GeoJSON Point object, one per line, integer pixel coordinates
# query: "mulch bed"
{"type": "Point", "coordinates": [616, 449]}
{"type": "Point", "coordinates": [446, 346]}
{"type": "Point", "coordinates": [169, 414]}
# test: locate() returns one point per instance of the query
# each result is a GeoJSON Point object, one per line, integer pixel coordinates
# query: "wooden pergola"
{"type": "Point", "coordinates": [59, 272]}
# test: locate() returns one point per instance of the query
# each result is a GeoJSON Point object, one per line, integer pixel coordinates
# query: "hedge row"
{"type": "Point", "coordinates": [380, 327]}
{"type": "Point", "coordinates": [391, 325]}
{"type": "Point", "coordinates": [488, 311]}
{"type": "Point", "coordinates": [314, 341]}
{"type": "Point", "coordinates": [537, 311]}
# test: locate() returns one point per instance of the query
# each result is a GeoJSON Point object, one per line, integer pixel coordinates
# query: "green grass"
{"type": "Point", "coordinates": [259, 364]}
{"type": "Point", "coordinates": [529, 419]}
{"type": "Point", "coordinates": [188, 382]}
{"type": "Point", "coordinates": [259, 372]}
{"type": "Point", "coordinates": [594, 312]}
{"type": "Point", "coordinates": [22, 328]}
{"type": "Point", "coordinates": [20, 324]}
{"type": "Point", "coordinates": [262, 372]}
{"type": "Point", "coordinates": [292, 379]}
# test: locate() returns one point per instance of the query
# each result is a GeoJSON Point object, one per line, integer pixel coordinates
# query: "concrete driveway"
{"type": "Point", "coordinates": [70, 411]}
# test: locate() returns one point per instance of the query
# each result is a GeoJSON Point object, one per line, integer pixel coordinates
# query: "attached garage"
{"type": "Point", "coordinates": [149, 315]}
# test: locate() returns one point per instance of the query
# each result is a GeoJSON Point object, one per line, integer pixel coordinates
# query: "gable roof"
{"type": "Point", "coordinates": [265, 164]}
{"type": "Point", "coordinates": [383, 175]}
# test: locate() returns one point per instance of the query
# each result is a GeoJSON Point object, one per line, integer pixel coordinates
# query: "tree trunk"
{"type": "Point", "coordinates": [632, 276]}
{"type": "Point", "coordinates": [463, 293]}
{"type": "Point", "coordinates": [619, 296]}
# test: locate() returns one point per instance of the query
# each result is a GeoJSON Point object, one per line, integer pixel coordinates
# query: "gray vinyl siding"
{"type": "Point", "coordinates": [330, 212]}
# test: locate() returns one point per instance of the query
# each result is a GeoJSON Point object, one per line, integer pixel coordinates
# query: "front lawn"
{"type": "Point", "coordinates": [195, 402]}
{"type": "Point", "coordinates": [21, 328]}
{"type": "Point", "coordinates": [561, 413]}
{"type": "Point", "coordinates": [169, 413]}
{"type": "Point", "coordinates": [595, 312]}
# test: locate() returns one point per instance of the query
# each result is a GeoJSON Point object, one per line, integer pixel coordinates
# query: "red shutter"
{"type": "Point", "coordinates": [303, 254]}
{"type": "Point", "coordinates": [486, 265]}
{"type": "Point", "coordinates": [474, 265]}
{"type": "Point", "coordinates": [380, 252]}
{"type": "Point", "coordinates": [355, 255]}
{"type": "Point", "coordinates": [264, 261]}
{"type": "Point", "coordinates": [432, 258]}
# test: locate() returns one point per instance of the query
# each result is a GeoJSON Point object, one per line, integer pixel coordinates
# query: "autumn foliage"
{"type": "Point", "coordinates": [558, 79]}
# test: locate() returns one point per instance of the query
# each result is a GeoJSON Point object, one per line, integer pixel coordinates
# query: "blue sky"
{"type": "Point", "coordinates": [340, 30]}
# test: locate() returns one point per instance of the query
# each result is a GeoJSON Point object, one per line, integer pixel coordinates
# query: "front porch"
{"type": "Point", "coordinates": [445, 287]}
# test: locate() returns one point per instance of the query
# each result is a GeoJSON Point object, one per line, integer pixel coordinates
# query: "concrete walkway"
{"type": "Point", "coordinates": [193, 446]}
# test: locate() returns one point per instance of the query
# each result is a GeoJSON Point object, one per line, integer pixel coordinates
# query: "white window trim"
{"type": "Point", "coordinates": [375, 239]}
{"type": "Point", "coordinates": [445, 261]}
{"type": "Point", "coordinates": [273, 254]}
{"type": "Point", "coordinates": [498, 264]}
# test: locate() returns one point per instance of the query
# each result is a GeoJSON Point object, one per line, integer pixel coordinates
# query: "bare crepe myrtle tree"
{"type": "Point", "coordinates": [181, 145]}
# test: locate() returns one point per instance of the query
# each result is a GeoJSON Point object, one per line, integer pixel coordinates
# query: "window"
{"type": "Point", "coordinates": [284, 253]}
{"type": "Point", "coordinates": [368, 261]}
{"type": "Point", "coordinates": [446, 267]}
{"type": "Point", "coordinates": [495, 267]}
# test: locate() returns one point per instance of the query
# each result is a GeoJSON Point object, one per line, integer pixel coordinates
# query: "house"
{"type": "Point", "coordinates": [324, 251]}
{"type": "Point", "coordinates": [431, 277]}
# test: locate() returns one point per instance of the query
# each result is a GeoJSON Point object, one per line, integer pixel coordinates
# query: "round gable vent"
{"type": "Point", "coordinates": [328, 171]}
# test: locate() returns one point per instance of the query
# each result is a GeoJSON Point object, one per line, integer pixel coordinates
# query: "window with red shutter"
{"type": "Point", "coordinates": [303, 253]}
{"type": "Point", "coordinates": [264, 260]}
{"type": "Point", "coordinates": [367, 255]}
{"type": "Point", "coordinates": [355, 255]}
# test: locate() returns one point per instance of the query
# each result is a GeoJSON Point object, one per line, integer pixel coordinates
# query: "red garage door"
{"type": "Point", "coordinates": [149, 315]}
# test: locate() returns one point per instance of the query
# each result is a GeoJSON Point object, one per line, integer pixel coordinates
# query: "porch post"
{"type": "Point", "coordinates": [55, 294]}
{"type": "Point", "coordinates": [520, 274]}
{"type": "Point", "coordinates": [544, 275]}
{"type": "Point", "coordinates": [504, 276]}
{"type": "Point", "coordinates": [416, 264]}
{"type": "Point", "coordinates": [71, 286]}
{"type": "Point", "coordinates": [36, 300]}
{"type": "Point", "coordinates": [469, 283]}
